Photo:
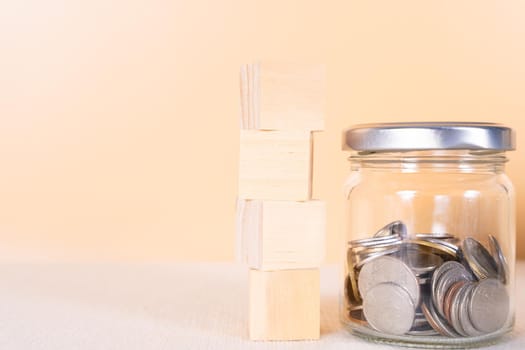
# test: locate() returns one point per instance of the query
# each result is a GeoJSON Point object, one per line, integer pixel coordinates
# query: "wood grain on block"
{"type": "Point", "coordinates": [275, 165]}
{"type": "Point", "coordinates": [283, 96]}
{"type": "Point", "coordinates": [284, 305]}
{"type": "Point", "coordinates": [281, 235]}
{"type": "Point", "coordinates": [245, 102]}
{"type": "Point", "coordinates": [248, 228]}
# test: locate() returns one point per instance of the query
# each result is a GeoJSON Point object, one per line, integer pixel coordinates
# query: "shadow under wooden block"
{"type": "Point", "coordinates": [284, 305]}
{"type": "Point", "coordinates": [275, 165]}
{"type": "Point", "coordinates": [283, 96]}
{"type": "Point", "coordinates": [281, 235]}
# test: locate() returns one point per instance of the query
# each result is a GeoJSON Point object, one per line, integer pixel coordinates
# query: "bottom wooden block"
{"type": "Point", "coordinates": [284, 305]}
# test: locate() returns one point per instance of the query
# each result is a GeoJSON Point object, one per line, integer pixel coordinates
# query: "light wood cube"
{"type": "Point", "coordinates": [281, 235]}
{"type": "Point", "coordinates": [275, 165]}
{"type": "Point", "coordinates": [284, 305]}
{"type": "Point", "coordinates": [283, 96]}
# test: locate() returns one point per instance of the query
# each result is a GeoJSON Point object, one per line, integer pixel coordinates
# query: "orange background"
{"type": "Point", "coordinates": [119, 119]}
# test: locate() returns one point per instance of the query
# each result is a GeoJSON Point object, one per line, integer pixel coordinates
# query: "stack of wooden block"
{"type": "Point", "coordinates": [280, 229]}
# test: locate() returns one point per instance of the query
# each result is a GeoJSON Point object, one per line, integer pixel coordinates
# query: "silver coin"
{"type": "Point", "coordinates": [436, 246]}
{"type": "Point", "coordinates": [385, 231]}
{"type": "Point", "coordinates": [434, 236]}
{"type": "Point", "coordinates": [422, 332]}
{"type": "Point", "coordinates": [393, 228]}
{"type": "Point", "coordinates": [362, 254]}
{"type": "Point", "coordinates": [444, 277]}
{"type": "Point", "coordinates": [455, 309]}
{"type": "Point", "coordinates": [479, 259]}
{"type": "Point", "coordinates": [388, 308]}
{"type": "Point", "coordinates": [437, 322]}
{"type": "Point", "coordinates": [464, 317]}
{"type": "Point", "coordinates": [501, 263]}
{"type": "Point", "coordinates": [388, 269]}
{"type": "Point", "coordinates": [420, 262]}
{"type": "Point", "coordinates": [449, 298]}
{"type": "Point", "coordinates": [359, 264]}
{"type": "Point", "coordinates": [425, 274]}
{"type": "Point", "coordinates": [419, 321]}
{"type": "Point", "coordinates": [423, 280]}
{"type": "Point", "coordinates": [437, 275]}
{"type": "Point", "coordinates": [489, 305]}
{"type": "Point", "coordinates": [374, 242]}
{"type": "Point", "coordinates": [366, 240]}
{"type": "Point", "coordinates": [444, 245]}
{"type": "Point", "coordinates": [359, 251]}
{"type": "Point", "coordinates": [445, 237]}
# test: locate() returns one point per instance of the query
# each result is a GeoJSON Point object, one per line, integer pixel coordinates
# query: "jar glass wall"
{"type": "Point", "coordinates": [430, 247]}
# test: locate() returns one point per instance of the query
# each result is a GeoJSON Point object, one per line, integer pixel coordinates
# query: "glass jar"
{"type": "Point", "coordinates": [430, 234]}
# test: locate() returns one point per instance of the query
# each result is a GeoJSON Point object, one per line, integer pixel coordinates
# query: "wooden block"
{"type": "Point", "coordinates": [283, 96]}
{"type": "Point", "coordinates": [284, 305]}
{"type": "Point", "coordinates": [281, 235]}
{"type": "Point", "coordinates": [275, 165]}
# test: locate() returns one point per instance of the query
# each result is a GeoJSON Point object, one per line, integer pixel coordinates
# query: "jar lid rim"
{"type": "Point", "coordinates": [428, 136]}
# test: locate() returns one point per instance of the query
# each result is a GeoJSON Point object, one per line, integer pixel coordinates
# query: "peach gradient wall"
{"type": "Point", "coordinates": [119, 119]}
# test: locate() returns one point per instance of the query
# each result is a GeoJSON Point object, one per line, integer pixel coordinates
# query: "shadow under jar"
{"type": "Point", "coordinates": [430, 234]}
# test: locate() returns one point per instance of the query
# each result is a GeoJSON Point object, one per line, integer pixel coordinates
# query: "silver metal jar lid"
{"type": "Point", "coordinates": [428, 136]}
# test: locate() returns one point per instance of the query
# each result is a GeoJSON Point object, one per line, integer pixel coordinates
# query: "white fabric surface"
{"type": "Point", "coordinates": [158, 306]}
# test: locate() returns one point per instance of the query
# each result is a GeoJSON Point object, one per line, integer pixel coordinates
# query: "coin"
{"type": "Point", "coordinates": [393, 228]}
{"type": "Point", "coordinates": [448, 301]}
{"type": "Point", "coordinates": [371, 257]}
{"type": "Point", "coordinates": [353, 292]}
{"type": "Point", "coordinates": [434, 235]}
{"type": "Point", "coordinates": [463, 313]}
{"type": "Point", "coordinates": [479, 259]}
{"type": "Point", "coordinates": [437, 246]}
{"type": "Point", "coordinates": [501, 263]}
{"type": "Point", "coordinates": [436, 321]}
{"type": "Point", "coordinates": [374, 242]}
{"type": "Point", "coordinates": [455, 308]}
{"type": "Point", "coordinates": [489, 305]}
{"type": "Point", "coordinates": [424, 280]}
{"type": "Point", "coordinates": [439, 272]}
{"type": "Point", "coordinates": [422, 332]}
{"type": "Point", "coordinates": [419, 261]}
{"type": "Point", "coordinates": [362, 252]}
{"type": "Point", "coordinates": [389, 308]}
{"type": "Point", "coordinates": [356, 307]}
{"type": "Point", "coordinates": [444, 277]}
{"type": "Point", "coordinates": [350, 294]}
{"type": "Point", "coordinates": [462, 283]}
{"type": "Point", "coordinates": [445, 237]}
{"type": "Point", "coordinates": [419, 321]}
{"type": "Point", "coordinates": [388, 269]}
{"type": "Point", "coordinates": [384, 231]}
{"type": "Point", "coordinates": [399, 228]}
{"type": "Point", "coordinates": [358, 316]}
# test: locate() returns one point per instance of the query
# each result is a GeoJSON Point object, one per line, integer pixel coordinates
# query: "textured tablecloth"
{"type": "Point", "coordinates": [158, 306]}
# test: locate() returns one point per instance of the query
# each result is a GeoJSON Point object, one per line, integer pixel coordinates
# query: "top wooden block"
{"type": "Point", "coordinates": [283, 96]}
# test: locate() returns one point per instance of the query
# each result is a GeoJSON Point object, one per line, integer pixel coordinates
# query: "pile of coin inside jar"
{"type": "Point", "coordinates": [426, 284]}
